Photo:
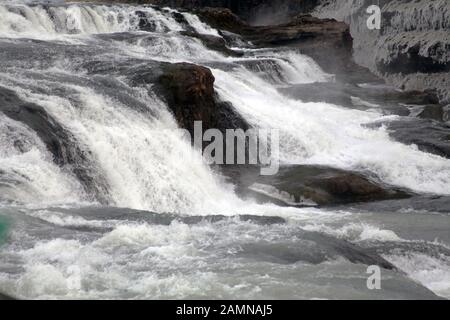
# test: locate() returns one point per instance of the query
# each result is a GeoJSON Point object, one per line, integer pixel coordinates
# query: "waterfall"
{"type": "Point", "coordinates": [135, 158]}
{"type": "Point", "coordinates": [108, 199]}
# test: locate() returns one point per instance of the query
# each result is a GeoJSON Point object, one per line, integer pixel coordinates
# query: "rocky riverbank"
{"type": "Point", "coordinates": [410, 51]}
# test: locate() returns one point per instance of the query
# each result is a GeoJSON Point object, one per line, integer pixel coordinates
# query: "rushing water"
{"type": "Point", "coordinates": [184, 232]}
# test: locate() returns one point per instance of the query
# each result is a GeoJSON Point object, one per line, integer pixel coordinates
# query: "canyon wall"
{"type": "Point", "coordinates": [412, 48]}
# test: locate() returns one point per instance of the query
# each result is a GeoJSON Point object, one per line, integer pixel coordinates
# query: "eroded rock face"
{"type": "Point", "coordinates": [412, 48]}
{"type": "Point", "coordinates": [312, 36]}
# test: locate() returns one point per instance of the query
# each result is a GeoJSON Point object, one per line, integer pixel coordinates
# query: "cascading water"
{"type": "Point", "coordinates": [338, 140]}
{"type": "Point", "coordinates": [71, 65]}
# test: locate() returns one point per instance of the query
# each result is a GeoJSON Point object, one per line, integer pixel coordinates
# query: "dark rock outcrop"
{"type": "Point", "coordinates": [411, 50]}
{"type": "Point", "coordinates": [428, 135]}
{"type": "Point", "coordinates": [433, 112]}
{"type": "Point", "coordinates": [311, 185]}
{"type": "Point", "coordinates": [189, 92]}
{"type": "Point", "coordinates": [223, 19]}
{"type": "Point", "coordinates": [379, 96]}
{"type": "Point", "coordinates": [312, 36]}
{"type": "Point", "coordinates": [346, 188]}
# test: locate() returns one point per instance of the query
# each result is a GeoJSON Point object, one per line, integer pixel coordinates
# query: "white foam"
{"type": "Point", "coordinates": [139, 157]}
{"type": "Point", "coordinates": [355, 232]}
{"type": "Point", "coordinates": [432, 272]}
{"type": "Point", "coordinates": [298, 68]}
{"type": "Point", "coordinates": [59, 22]}
{"type": "Point", "coordinates": [199, 26]}
{"type": "Point", "coordinates": [29, 174]}
{"type": "Point", "coordinates": [66, 220]}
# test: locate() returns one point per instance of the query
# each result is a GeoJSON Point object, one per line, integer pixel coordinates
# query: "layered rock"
{"type": "Point", "coordinates": [412, 49]}
{"type": "Point", "coordinates": [259, 12]}
{"type": "Point", "coordinates": [312, 36]}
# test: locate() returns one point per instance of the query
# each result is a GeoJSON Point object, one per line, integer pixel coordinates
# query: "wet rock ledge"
{"type": "Point", "coordinates": [318, 38]}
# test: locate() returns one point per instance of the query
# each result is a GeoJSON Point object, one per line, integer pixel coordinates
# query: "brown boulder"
{"type": "Point", "coordinates": [223, 19]}
{"type": "Point", "coordinates": [189, 92]}
{"type": "Point", "coordinates": [308, 185]}
{"type": "Point", "coordinates": [188, 83]}
{"type": "Point", "coordinates": [346, 187]}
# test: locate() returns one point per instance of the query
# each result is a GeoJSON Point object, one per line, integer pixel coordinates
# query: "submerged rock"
{"type": "Point", "coordinates": [374, 96]}
{"type": "Point", "coordinates": [313, 248]}
{"type": "Point", "coordinates": [428, 135]}
{"type": "Point", "coordinates": [310, 186]}
{"type": "Point", "coordinates": [345, 188]}
{"type": "Point", "coordinates": [432, 112]}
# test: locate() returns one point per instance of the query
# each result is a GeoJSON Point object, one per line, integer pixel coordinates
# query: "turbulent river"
{"type": "Point", "coordinates": [132, 215]}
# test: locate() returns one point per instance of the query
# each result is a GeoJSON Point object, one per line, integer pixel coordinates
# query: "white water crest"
{"type": "Point", "coordinates": [140, 158]}
{"type": "Point", "coordinates": [199, 26]}
{"type": "Point", "coordinates": [30, 176]}
{"type": "Point", "coordinates": [42, 22]}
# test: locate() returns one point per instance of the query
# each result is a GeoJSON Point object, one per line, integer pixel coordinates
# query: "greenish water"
{"type": "Point", "coordinates": [3, 229]}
